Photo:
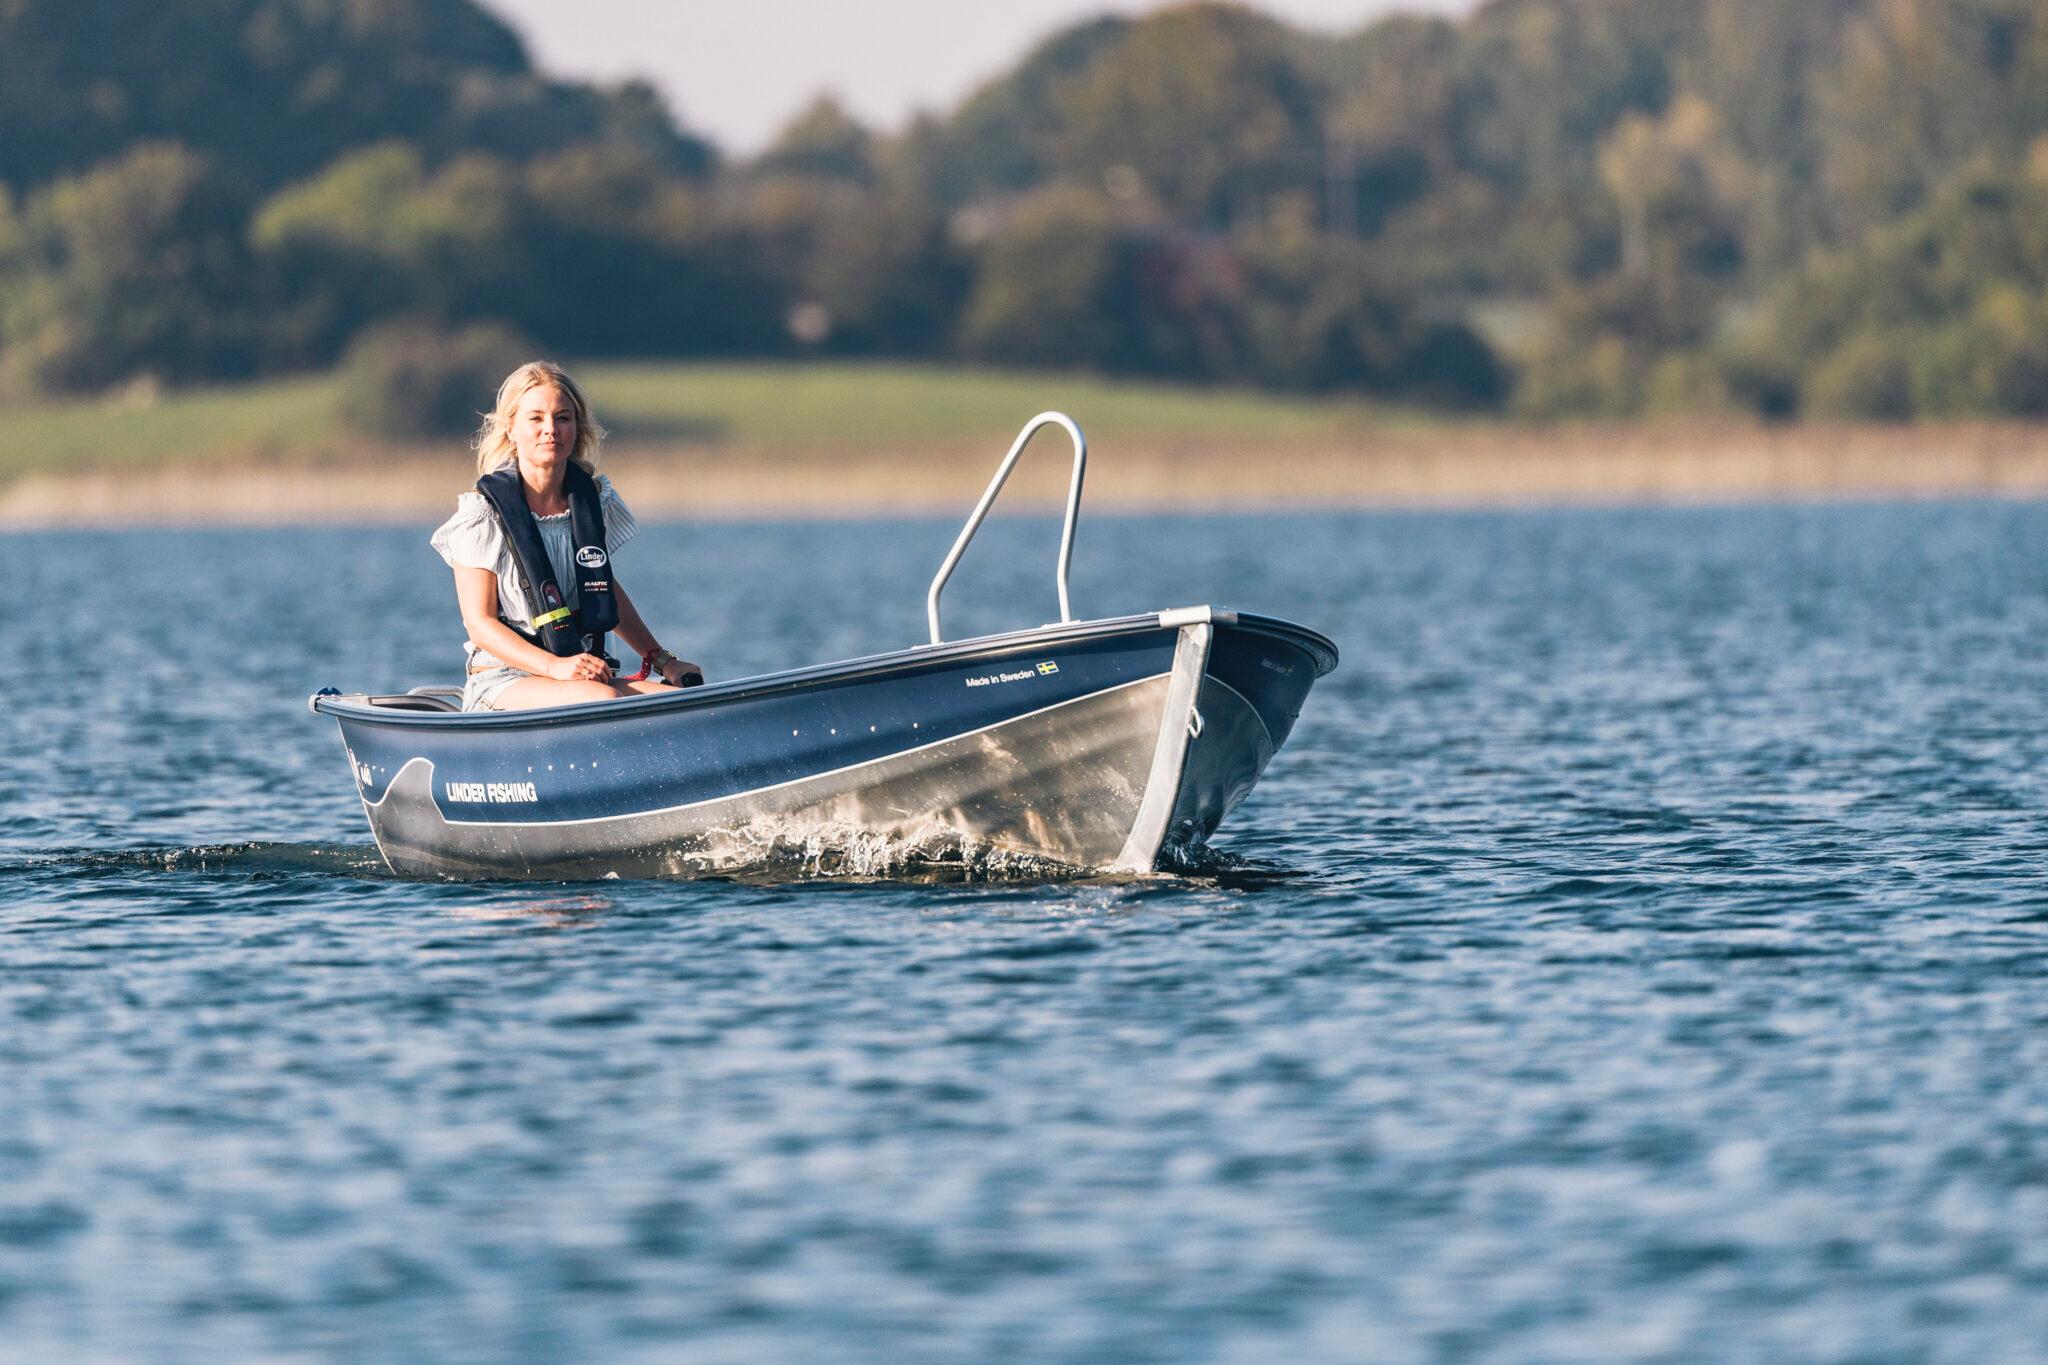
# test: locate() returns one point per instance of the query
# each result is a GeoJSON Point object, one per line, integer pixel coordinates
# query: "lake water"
{"type": "Point", "coordinates": [1640, 951]}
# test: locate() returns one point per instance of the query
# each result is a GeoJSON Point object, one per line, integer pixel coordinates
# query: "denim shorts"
{"type": "Point", "coordinates": [488, 678]}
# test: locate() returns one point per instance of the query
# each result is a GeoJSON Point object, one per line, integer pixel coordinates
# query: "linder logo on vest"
{"type": "Point", "coordinates": [590, 557]}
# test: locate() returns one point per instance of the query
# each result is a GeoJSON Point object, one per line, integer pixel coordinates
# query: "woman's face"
{"type": "Point", "coordinates": [543, 428]}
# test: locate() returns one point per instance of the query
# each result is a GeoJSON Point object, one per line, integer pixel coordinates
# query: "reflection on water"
{"type": "Point", "coordinates": [552, 911]}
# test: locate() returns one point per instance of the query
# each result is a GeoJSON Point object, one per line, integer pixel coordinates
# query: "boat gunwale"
{"type": "Point", "coordinates": [345, 706]}
{"type": "Point", "coordinates": [1319, 646]}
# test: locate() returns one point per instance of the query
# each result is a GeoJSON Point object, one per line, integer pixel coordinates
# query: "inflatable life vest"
{"type": "Point", "coordinates": [561, 630]}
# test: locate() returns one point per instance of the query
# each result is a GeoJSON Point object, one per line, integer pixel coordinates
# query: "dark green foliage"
{"type": "Point", "coordinates": [413, 381]}
{"type": "Point", "coordinates": [136, 270]}
{"type": "Point", "coordinates": [1450, 365]}
{"type": "Point", "coordinates": [888, 278]}
{"type": "Point", "coordinates": [274, 89]}
{"type": "Point", "coordinates": [374, 236]}
{"type": "Point", "coordinates": [1316, 315]}
{"type": "Point", "coordinates": [1870, 375]}
{"type": "Point", "coordinates": [1065, 281]}
{"type": "Point", "coordinates": [823, 141]}
{"type": "Point", "coordinates": [1944, 314]}
{"type": "Point", "coordinates": [1204, 108]}
{"type": "Point", "coordinates": [1605, 339]}
{"type": "Point", "coordinates": [1000, 140]}
{"type": "Point", "coordinates": [1201, 108]}
{"type": "Point", "coordinates": [1058, 285]}
{"type": "Point", "coordinates": [595, 251]}
{"type": "Point", "coordinates": [606, 255]}
{"type": "Point", "coordinates": [1766, 205]}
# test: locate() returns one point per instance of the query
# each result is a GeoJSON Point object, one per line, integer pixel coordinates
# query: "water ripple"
{"type": "Point", "coordinates": [1637, 953]}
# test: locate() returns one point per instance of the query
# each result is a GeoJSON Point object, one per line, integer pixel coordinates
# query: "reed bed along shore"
{"type": "Point", "coordinates": [1400, 465]}
{"type": "Point", "coordinates": [824, 439]}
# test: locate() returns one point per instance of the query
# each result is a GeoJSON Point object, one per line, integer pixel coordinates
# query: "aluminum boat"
{"type": "Point", "coordinates": [1110, 744]}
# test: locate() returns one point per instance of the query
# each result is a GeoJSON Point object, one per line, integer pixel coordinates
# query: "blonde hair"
{"type": "Point", "coordinates": [494, 438]}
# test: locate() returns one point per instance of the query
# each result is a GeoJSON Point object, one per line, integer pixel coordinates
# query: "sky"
{"type": "Point", "coordinates": [739, 69]}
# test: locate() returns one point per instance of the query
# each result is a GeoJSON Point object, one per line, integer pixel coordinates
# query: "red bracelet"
{"type": "Point", "coordinates": [648, 663]}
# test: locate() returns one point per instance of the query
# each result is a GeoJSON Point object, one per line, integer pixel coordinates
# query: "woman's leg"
{"type": "Point", "coordinates": [644, 686]}
{"type": "Point", "coordinates": [528, 693]}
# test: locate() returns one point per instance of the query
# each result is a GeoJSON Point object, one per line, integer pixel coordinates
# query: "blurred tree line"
{"type": "Point", "coordinates": [1560, 206]}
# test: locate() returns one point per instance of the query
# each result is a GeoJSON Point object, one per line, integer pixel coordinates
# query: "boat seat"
{"type": "Point", "coordinates": [422, 699]}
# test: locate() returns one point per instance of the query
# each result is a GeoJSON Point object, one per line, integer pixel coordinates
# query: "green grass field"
{"type": "Point", "coordinates": [286, 419]}
{"type": "Point", "coordinates": [883, 404]}
{"type": "Point", "coordinates": [795, 405]}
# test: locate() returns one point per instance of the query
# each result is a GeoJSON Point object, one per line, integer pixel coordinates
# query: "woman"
{"type": "Point", "coordinates": [531, 549]}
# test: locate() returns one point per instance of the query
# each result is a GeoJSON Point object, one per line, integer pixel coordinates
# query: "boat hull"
{"type": "Point", "coordinates": [1103, 745]}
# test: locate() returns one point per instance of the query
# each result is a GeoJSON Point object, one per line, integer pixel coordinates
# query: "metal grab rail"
{"type": "Point", "coordinates": [1044, 419]}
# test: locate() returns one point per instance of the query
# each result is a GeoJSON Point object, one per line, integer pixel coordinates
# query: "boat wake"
{"type": "Point", "coordinates": [1212, 866]}
{"type": "Point", "coordinates": [756, 855]}
{"type": "Point", "coordinates": [771, 851]}
{"type": "Point", "coordinates": [759, 853]}
{"type": "Point", "coordinates": [768, 852]}
{"type": "Point", "coordinates": [254, 861]}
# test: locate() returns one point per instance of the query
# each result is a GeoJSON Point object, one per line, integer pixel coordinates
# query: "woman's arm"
{"type": "Point", "coordinates": [635, 633]}
{"type": "Point", "coordinates": [477, 592]}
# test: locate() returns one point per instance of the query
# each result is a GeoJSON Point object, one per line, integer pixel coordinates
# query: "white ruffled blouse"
{"type": "Point", "coordinates": [473, 538]}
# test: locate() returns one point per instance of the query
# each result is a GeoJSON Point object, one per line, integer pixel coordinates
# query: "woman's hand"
{"type": "Point", "coordinates": [681, 672]}
{"type": "Point", "coordinates": [581, 668]}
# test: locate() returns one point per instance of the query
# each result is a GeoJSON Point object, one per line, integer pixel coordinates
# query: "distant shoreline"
{"type": "Point", "coordinates": [1434, 466]}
